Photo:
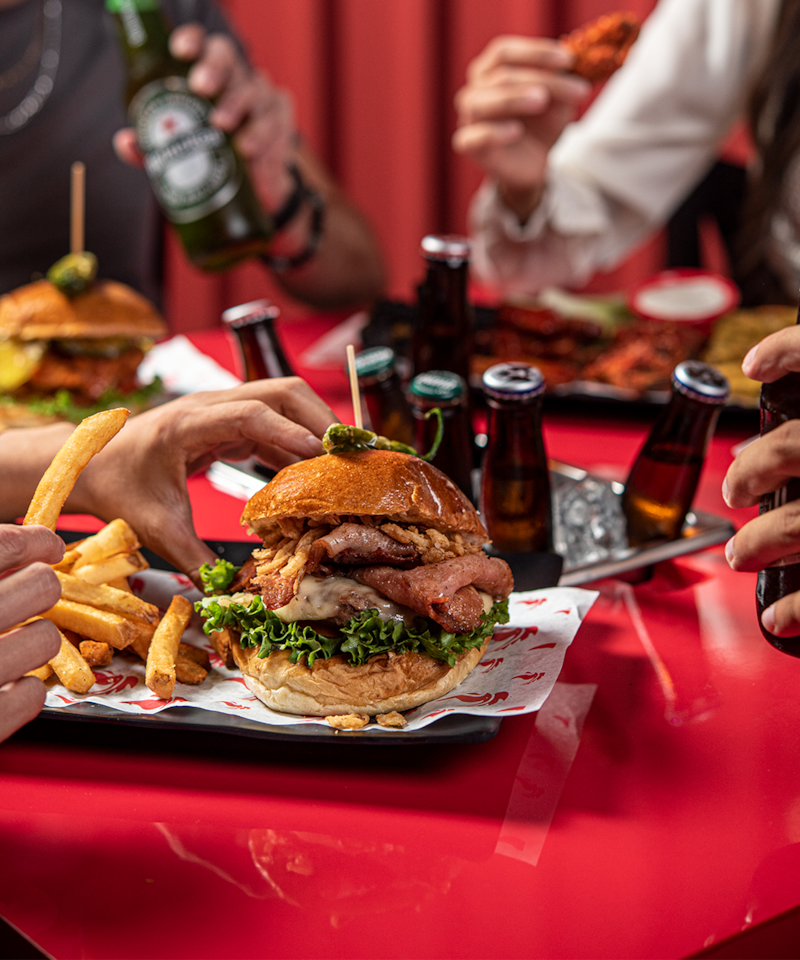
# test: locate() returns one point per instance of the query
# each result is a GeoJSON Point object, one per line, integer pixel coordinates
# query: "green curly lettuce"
{"type": "Point", "coordinates": [362, 637]}
{"type": "Point", "coordinates": [62, 404]}
{"type": "Point", "coordinates": [218, 578]}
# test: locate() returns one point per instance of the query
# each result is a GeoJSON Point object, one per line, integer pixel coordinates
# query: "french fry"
{"type": "Point", "coordinates": [96, 654]}
{"type": "Point", "coordinates": [199, 656]}
{"type": "Point", "coordinates": [122, 565]}
{"type": "Point", "coordinates": [222, 642]}
{"type": "Point", "coordinates": [94, 624]}
{"type": "Point", "coordinates": [42, 672]}
{"type": "Point", "coordinates": [115, 537]}
{"type": "Point", "coordinates": [121, 583]}
{"type": "Point", "coordinates": [188, 670]}
{"type": "Point", "coordinates": [71, 669]}
{"type": "Point", "coordinates": [105, 597]}
{"type": "Point", "coordinates": [160, 670]}
{"type": "Point", "coordinates": [87, 439]}
{"type": "Point", "coordinates": [65, 563]}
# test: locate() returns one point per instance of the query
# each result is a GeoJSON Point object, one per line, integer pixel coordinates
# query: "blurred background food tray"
{"type": "Point", "coordinates": [596, 349]}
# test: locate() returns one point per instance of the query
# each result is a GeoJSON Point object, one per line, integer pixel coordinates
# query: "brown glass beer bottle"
{"type": "Point", "coordinates": [443, 332]}
{"type": "Point", "coordinates": [448, 392]}
{"type": "Point", "coordinates": [663, 480]}
{"type": "Point", "coordinates": [379, 382]}
{"type": "Point", "coordinates": [515, 500]}
{"type": "Point", "coordinates": [780, 401]}
{"type": "Point", "coordinates": [253, 328]}
{"type": "Point", "coordinates": [197, 176]}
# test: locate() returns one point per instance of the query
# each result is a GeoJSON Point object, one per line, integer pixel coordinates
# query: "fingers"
{"type": "Point", "coordinates": [775, 356]}
{"type": "Point", "coordinates": [241, 427]}
{"type": "Point", "coordinates": [26, 648]}
{"type": "Point", "coordinates": [20, 546]}
{"type": "Point", "coordinates": [126, 147]}
{"type": "Point", "coordinates": [26, 593]}
{"type": "Point", "coordinates": [20, 702]}
{"type": "Point", "coordinates": [508, 50]}
{"type": "Point", "coordinates": [772, 536]}
{"type": "Point", "coordinates": [764, 466]}
{"type": "Point", "coordinates": [291, 398]}
{"type": "Point", "coordinates": [782, 619]}
{"type": "Point", "coordinates": [518, 93]}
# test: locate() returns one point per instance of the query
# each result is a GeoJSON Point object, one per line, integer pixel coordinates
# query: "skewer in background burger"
{"type": "Point", "coordinates": [71, 345]}
{"type": "Point", "coordinates": [371, 593]}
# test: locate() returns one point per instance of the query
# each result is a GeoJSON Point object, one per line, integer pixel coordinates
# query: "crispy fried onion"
{"type": "Point", "coordinates": [287, 546]}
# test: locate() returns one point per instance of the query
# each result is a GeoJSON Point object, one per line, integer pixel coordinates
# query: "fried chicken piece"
{"type": "Point", "coordinates": [600, 47]}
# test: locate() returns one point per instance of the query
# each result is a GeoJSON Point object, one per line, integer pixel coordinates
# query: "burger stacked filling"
{"type": "Point", "coordinates": [360, 586]}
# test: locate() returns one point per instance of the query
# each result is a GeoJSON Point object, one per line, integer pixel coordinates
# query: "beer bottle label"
{"type": "Point", "coordinates": [190, 163]}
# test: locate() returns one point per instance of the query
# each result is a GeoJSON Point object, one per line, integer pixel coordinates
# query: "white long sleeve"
{"type": "Point", "coordinates": [617, 174]}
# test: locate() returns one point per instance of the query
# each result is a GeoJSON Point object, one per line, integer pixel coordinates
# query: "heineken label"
{"type": "Point", "coordinates": [190, 163]}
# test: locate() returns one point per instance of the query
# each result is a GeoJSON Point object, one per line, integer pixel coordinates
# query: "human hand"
{"type": "Point", "coordinates": [28, 586]}
{"type": "Point", "coordinates": [774, 356]}
{"type": "Point", "coordinates": [512, 109]}
{"type": "Point", "coordinates": [764, 466]}
{"type": "Point", "coordinates": [257, 114]}
{"type": "Point", "coordinates": [140, 476]}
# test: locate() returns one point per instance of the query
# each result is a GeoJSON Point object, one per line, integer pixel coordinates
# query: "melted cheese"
{"type": "Point", "coordinates": [319, 598]}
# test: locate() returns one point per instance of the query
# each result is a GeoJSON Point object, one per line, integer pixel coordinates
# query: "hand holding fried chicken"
{"type": "Point", "coordinates": [520, 94]}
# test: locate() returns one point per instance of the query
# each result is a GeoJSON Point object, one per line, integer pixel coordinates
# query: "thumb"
{"type": "Point", "coordinates": [179, 545]}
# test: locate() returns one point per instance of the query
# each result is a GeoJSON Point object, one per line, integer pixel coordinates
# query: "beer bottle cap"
{"type": "Point", "coordinates": [252, 312]}
{"type": "Point", "coordinates": [449, 247]}
{"type": "Point", "coordinates": [374, 361]}
{"type": "Point", "coordinates": [513, 381]}
{"type": "Point", "coordinates": [700, 381]}
{"type": "Point", "coordinates": [439, 385]}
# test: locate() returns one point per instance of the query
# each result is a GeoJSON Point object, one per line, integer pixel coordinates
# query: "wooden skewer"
{"type": "Point", "coordinates": [77, 206]}
{"type": "Point", "coordinates": [354, 391]}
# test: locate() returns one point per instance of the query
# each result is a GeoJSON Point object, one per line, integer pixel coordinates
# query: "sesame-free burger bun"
{"type": "Point", "coordinates": [40, 311]}
{"type": "Point", "coordinates": [374, 483]}
{"type": "Point", "coordinates": [335, 688]}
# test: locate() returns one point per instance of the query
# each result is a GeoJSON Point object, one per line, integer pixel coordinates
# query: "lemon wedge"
{"type": "Point", "coordinates": [18, 362]}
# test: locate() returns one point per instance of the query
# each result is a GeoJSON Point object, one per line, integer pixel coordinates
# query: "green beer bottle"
{"type": "Point", "coordinates": [198, 178]}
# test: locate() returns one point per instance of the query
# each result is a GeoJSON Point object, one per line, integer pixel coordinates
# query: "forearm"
{"type": "Point", "coordinates": [25, 454]}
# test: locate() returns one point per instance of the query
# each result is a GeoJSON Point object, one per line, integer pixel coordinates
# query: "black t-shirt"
{"type": "Point", "coordinates": [76, 122]}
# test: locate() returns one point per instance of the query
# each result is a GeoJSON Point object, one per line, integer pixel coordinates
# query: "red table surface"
{"type": "Point", "coordinates": [678, 824]}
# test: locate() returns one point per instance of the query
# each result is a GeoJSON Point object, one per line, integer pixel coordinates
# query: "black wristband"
{"type": "Point", "coordinates": [293, 202]}
{"type": "Point", "coordinates": [279, 264]}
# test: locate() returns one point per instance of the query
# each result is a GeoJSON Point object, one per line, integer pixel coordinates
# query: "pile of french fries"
{"type": "Point", "coordinates": [98, 614]}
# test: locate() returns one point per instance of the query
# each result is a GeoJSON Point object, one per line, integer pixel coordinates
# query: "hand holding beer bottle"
{"type": "Point", "coordinates": [768, 472]}
{"type": "Point", "coordinates": [199, 179]}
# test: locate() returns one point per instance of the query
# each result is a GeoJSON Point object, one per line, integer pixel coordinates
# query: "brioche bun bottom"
{"type": "Point", "coordinates": [333, 687]}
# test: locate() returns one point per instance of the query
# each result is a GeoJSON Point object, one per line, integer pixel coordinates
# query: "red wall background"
{"type": "Point", "coordinates": [373, 83]}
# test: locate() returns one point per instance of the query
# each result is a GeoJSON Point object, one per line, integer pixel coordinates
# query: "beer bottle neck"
{"type": "Point", "coordinates": [144, 36]}
{"type": "Point", "coordinates": [686, 425]}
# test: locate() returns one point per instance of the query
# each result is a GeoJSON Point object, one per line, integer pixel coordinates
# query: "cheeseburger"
{"type": "Point", "coordinates": [65, 357]}
{"type": "Point", "coordinates": [371, 593]}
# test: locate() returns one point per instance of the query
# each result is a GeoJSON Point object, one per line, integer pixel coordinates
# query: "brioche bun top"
{"type": "Point", "coordinates": [374, 483]}
{"type": "Point", "coordinates": [40, 311]}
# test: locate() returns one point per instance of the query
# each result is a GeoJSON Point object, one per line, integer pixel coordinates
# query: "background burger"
{"type": "Point", "coordinates": [371, 593]}
{"type": "Point", "coordinates": [65, 356]}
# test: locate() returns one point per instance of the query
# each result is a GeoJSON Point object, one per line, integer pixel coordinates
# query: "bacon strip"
{"type": "Point", "coordinates": [359, 545]}
{"type": "Point", "coordinates": [431, 590]}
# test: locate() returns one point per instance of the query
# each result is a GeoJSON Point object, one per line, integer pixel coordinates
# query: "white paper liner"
{"type": "Point", "coordinates": [515, 675]}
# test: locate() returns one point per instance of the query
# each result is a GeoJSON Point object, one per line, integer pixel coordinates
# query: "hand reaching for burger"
{"type": "Point", "coordinates": [28, 586]}
{"type": "Point", "coordinates": [512, 109]}
{"type": "Point", "coordinates": [141, 474]}
{"type": "Point", "coordinates": [763, 467]}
